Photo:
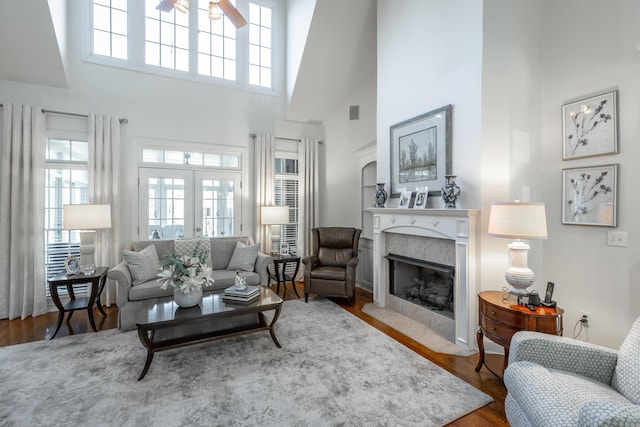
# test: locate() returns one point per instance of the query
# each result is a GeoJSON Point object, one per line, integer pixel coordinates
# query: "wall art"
{"type": "Point", "coordinates": [589, 195]}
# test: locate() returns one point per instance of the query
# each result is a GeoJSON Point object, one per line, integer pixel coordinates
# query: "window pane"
{"type": "Point", "coordinates": [101, 43]}
{"type": "Point", "coordinates": [182, 59]}
{"type": "Point", "coordinates": [58, 149]}
{"type": "Point", "coordinates": [230, 161]}
{"type": "Point", "coordinates": [265, 77]}
{"type": "Point", "coordinates": [217, 46]}
{"type": "Point", "coordinates": [174, 157]}
{"type": "Point", "coordinates": [265, 57]}
{"type": "Point", "coordinates": [119, 4]}
{"type": "Point", "coordinates": [152, 30]}
{"type": "Point", "coordinates": [152, 156]}
{"type": "Point", "coordinates": [254, 13]}
{"type": "Point", "coordinates": [230, 49]}
{"type": "Point", "coordinates": [204, 43]}
{"type": "Point", "coordinates": [265, 37]}
{"type": "Point", "coordinates": [119, 49]}
{"type": "Point", "coordinates": [212, 160]}
{"type": "Point", "coordinates": [254, 75]}
{"type": "Point", "coordinates": [182, 37]}
{"type": "Point", "coordinates": [166, 56]}
{"type": "Point", "coordinates": [229, 69]}
{"type": "Point", "coordinates": [254, 54]}
{"type": "Point", "coordinates": [119, 22]}
{"type": "Point", "coordinates": [265, 17]}
{"type": "Point", "coordinates": [152, 53]}
{"type": "Point", "coordinates": [79, 151]}
{"type": "Point", "coordinates": [254, 34]}
{"type": "Point", "coordinates": [101, 18]}
{"type": "Point", "coordinates": [217, 67]}
{"type": "Point", "coordinates": [204, 66]}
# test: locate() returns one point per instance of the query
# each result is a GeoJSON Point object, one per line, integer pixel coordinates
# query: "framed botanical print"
{"type": "Point", "coordinates": [590, 126]}
{"type": "Point", "coordinates": [589, 195]}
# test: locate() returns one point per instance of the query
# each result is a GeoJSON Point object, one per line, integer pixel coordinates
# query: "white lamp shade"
{"type": "Point", "coordinates": [518, 220]}
{"type": "Point", "coordinates": [274, 215]}
{"type": "Point", "coordinates": [86, 217]}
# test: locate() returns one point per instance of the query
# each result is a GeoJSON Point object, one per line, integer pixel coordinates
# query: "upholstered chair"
{"type": "Point", "coordinates": [331, 268]}
{"type": "Point", "coordinates": [559, 381]}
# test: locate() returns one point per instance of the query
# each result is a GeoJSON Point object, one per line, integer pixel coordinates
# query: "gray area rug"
{"type": "Point", "coordinates": [333, 369]}
{"type": "Point", "coordinates": [415, 330]}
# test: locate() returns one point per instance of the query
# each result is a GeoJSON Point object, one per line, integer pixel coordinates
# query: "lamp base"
{"type": "Point", "coordinates": [87, 247]}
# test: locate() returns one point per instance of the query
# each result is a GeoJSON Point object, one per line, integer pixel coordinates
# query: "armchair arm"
{"type": "Point", "coordinates": [121, 274]}
{"type": "Point", "coordinates": [564, 353]}
{"type": "Point", "coordinates": [310, 262]}
{"type": "Point", "coordinates": [609, 413]}
{"type": "Point", "coordinates": [262, 262]}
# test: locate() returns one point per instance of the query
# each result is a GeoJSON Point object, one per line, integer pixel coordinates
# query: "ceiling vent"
{"type": "Point", "coordinates": [354, 112]}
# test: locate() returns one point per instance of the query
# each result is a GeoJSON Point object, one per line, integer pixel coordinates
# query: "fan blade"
{"type": "Point", "coordinates": [165, 5]}
{"type": "Point", "coordinates": [232, 13]}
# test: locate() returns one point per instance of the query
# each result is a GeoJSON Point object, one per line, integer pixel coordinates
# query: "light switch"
{"type": "Point", "coordinates": [617, 238]}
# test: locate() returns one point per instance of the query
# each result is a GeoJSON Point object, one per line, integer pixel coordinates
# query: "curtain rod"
{"type": "Point", "coordinates": [253, 135]}
{"type": "Point", "coordinates": [44, 111]}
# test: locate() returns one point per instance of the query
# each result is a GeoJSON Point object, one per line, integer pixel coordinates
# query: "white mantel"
{"type": "Point", "coordinates": [459, 225]}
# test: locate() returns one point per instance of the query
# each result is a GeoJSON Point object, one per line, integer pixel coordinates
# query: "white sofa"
{"type": "Point", "coordinates": [130, 296]}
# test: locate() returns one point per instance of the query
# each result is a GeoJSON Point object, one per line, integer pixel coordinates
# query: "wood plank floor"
{"type": "Point", "coordinates": [40, 328]}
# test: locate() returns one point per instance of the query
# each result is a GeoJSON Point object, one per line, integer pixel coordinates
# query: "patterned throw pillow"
{"type": "Point", "coordinates": [187, 246]}
{"type": "Point", "coordinates": [143, 265]}
{"type": "Point", "coordinates": [244, 257]}
{"type": "Point", "coordinates": [626, 378]}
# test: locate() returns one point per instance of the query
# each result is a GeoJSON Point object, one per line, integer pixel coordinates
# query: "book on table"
{"type": "Point", "coordinates": [248, 293]}
{"type": "Point", "coordinates": [240, 300]}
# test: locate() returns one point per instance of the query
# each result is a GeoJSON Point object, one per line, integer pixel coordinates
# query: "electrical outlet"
{"type": "Point", "coordinates": [586, 315]}
{"type": "Point", "coordinates": [617, 238]}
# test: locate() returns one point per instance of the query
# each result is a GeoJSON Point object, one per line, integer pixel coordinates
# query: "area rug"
{"type": "Point", "coordinates": [333, 369]}
{"type": "Point", "coordinates": [415, 330]}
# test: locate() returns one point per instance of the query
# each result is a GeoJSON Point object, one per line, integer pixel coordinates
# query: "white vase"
{"type": "Point", "coordinates": [188, 299]}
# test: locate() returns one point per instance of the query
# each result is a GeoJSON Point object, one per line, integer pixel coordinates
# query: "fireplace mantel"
{"type": "Point", "coordinates": [459, 225]}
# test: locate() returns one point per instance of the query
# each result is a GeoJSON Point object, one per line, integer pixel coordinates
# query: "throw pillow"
{"type": "Point", "coordinates": [244, 257]}
{"type": "Point", "coordinates": [143, 265]}
{"type": "Point", "coordinates": [187, 246]}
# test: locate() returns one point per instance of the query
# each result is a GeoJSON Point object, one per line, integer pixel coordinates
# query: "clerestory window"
{"type": "Point", "coordinates": [134, 34]}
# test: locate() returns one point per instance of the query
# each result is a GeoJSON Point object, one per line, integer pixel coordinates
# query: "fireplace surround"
{"type": "Point", "coordinates": [443, 236]}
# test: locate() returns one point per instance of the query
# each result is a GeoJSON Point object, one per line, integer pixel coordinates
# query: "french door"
{"type": "Point", "coordinates": [176, 203]}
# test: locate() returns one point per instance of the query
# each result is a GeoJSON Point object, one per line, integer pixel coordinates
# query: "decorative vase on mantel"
{"type": "Point", "coordinates": [187, 299]}
{"type": "Point", "coordinates": [380, 195]}
{"type": "Point", "coordinates": [450, 192]}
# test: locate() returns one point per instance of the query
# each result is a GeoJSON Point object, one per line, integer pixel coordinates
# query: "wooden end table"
{"type": "Point", "coordinates": [499, 319]}
{"type": "Point", "coordinates": [279, 274]}
{"type": "Point", "coordinates": [97, 281]}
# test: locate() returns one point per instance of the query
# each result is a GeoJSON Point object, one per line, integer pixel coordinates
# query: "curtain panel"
{"type": "Point", "coordinates": [308, 196]}
{"type": "Point", "coordinates": [22, 167]}
{"type": "Point", "coordinates": [104, 151]}
{"type": "Point", "coordinates": [265, 157]}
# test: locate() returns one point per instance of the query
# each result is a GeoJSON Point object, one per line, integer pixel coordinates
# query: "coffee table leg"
{"type": "Point", "coordinates": [144, 338]}
{"type": "Point", "coordinates": [273, 321]}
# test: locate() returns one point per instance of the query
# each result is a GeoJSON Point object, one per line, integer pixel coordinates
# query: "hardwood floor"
{"type": "Point", "coordinates": [40, 328]}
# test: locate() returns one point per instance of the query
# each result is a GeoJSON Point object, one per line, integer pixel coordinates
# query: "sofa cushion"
{"type": "Point", "coordinates": [143, 265]}
{"type": "Point", "coordinates": [164, 248]}
{"type": "Point", "coordinates": [626, 378]}
{"type": "Point", "coordinates": [531, 386]}
{"type": "Point", "coordinates": [222, 248]}
{"type": "Point", "coordinates": [188, 246]}
{"type": "Point", "coordinates": [244, 257]}
{"type": "Point", "coordinates": [149, 289]}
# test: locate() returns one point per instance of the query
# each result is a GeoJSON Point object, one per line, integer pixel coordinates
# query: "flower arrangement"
{"type": "Point", "coordinates": [186, 272]}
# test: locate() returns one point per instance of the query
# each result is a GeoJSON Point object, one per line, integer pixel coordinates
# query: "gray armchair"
{"type": "Point", "coordinates": [331, 269]}
{"type": "Point", "coordinates": [558, 381]}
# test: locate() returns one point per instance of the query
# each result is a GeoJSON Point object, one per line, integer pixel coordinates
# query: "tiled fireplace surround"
{"type": "Point", "coordinates": [444, 236]}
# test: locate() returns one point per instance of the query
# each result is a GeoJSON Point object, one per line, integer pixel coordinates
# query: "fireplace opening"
{"type": "Point", "coordinates": [427, 284]}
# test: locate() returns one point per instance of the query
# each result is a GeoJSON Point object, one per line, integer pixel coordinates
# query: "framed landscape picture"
{"type": "Point", "coordinates": [421, 151]}
{"type": "Point", "coordinates": [590, 126]}
{"type": "Point", "coordinates": [589, 195]}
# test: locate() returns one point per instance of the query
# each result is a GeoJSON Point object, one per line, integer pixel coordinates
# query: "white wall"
{"type": "Point", "coordinates": [340, 177]}
{"type": "Point", "coordinates": [591, 46]}
{"type": "Point", "coordinates": [507, 67]}
{"type": "Point", "coordinates": [430, 55]}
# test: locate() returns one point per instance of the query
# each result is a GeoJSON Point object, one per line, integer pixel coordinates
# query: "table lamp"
{"type": "Point", "coordinates": [518, 221]}
{"type": "Point", "coordinates": [274, 216]}
{"type": "Point", "coordinates": [87, 219]}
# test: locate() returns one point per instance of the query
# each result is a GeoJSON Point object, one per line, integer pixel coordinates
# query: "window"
{"type": "Point", "coordinates": [110, 28]}
{"type": "Point", "coordinates": [216, 45]}
{"type": "Point", "coordinates": [166, 38]}
{"type": "Point", "coordinates": [186, 45]}
{"type": "Point", "coordinates": [286, 194]}
{"type": "Point", "coordinates": [259, 45]}
{"type": "Point", "coordinates": [67, 180]}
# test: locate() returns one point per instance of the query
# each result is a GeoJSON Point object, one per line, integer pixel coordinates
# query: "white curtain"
{"type": "Point", "coordinates": [265, 157]}
{"type": "Point", "coordinates": [22, 276]}
{"type": "Point", "coordinates": [308, 196]}
{"type": "Point", "coordinates": [104, 149]}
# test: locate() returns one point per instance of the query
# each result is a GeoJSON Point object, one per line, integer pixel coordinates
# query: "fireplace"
{"type": "Point", "coordinates": [443, 238]}
{"type": "Point", "coordinates": [426, 284]}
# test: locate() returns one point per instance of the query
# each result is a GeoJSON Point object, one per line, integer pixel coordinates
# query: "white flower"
{"type": "Point", "coordinates": [166, 277]}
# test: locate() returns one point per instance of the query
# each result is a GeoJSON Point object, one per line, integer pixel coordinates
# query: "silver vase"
{"type": "Point", "coordinates": [187, 299]}
{"type": "Point", "coordinates": [450, 191]}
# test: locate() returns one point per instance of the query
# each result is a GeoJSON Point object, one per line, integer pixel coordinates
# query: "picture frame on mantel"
{"type": "Point", "coordinates": [590, 126]}
{"type": "Point", "coordinates": [421, 151]}
{"type": "Point", "coordinates": [589, 195]}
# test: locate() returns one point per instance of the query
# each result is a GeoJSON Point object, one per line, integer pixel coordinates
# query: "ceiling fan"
{"type": "Point", "coordinates": [216, 9]}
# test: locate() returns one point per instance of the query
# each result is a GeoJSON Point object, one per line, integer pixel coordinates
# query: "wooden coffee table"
{"type": "Point", "coordinates": [162, 325]}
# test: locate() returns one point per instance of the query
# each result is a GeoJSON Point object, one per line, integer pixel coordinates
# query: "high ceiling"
{"type": "Point", "coordinates": [31, 50]}
{"type": "Point", "coordinates": [339, 52]}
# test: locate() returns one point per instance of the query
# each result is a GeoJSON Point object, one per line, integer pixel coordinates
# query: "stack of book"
{"type": "Point", "coordinates": [248, 294]}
